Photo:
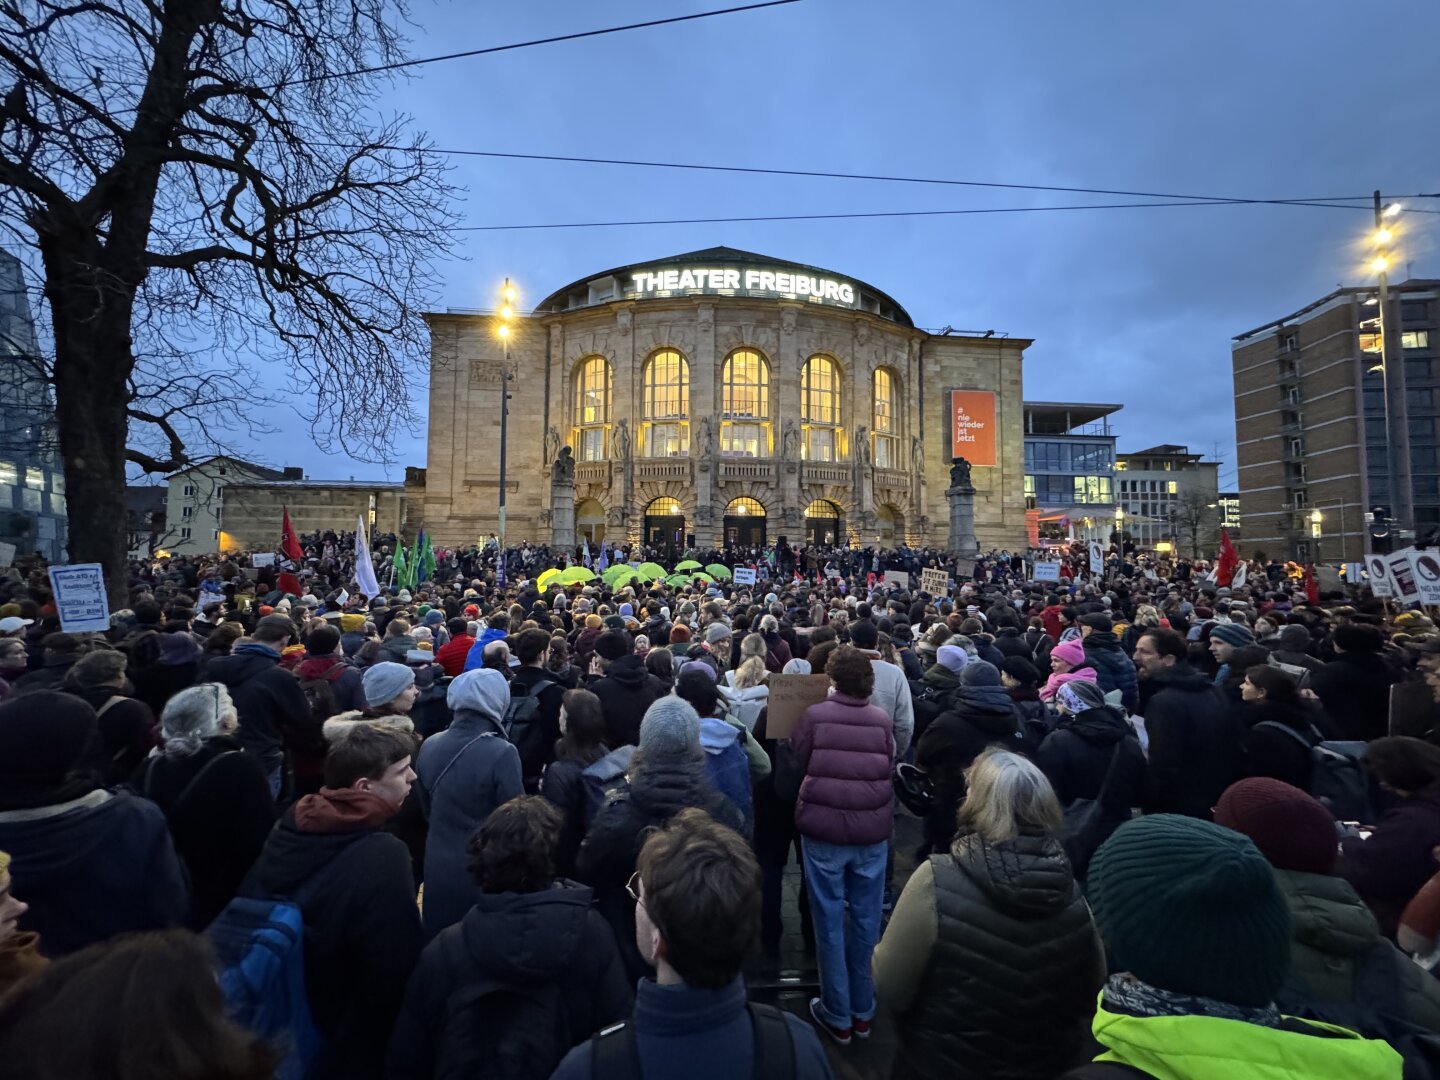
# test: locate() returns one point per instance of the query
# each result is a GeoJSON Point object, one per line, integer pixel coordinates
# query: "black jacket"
{"type": "Point", "coordinates": [267, 698]}
{"type": "Point", "coordinates": [1355, 690]}
{"type": "Point", "coordinates": [564, 786]}
{"type": "Point", "coordinates": [529, 939]}
{"type": "Point", "coordinates": [979, 716]}
{"type": "Point", "coordinates": [219, 826]}
{"type": "Point", "coordinates": [625, 692]}
{"type": "Point", "coordinates": [1077, 754]}
{"type": "Point", "coordinates": [362, 934]}
{"type": "Point", "coordinates": [1195, 743]}
{"type": "Point", "coordinates": [1113, 669]}
{"type": "Point", "coordinates": [525, 680]}
{"type": "Point", "coordinates": [1272, 752]}
{"type": "Point", "coordinates": [930, 696]}
{"type": "Point", "coordinates": [1009, 642]}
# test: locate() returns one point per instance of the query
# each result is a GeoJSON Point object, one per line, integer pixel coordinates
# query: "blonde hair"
{"type": "Point", "coordinates": [1008, 796]}
{"type": "Point", "coordinates": [751, 672]}
{"type": "Point", "coordinates": [753, 645]}
{"type": "Point", "coordinates": [4, 862]}
{"type": "Point", "coordinates": [1146, 615]}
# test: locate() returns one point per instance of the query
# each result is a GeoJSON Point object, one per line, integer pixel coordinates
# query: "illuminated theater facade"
{"type": "Point", "coordinates": [721, 397]}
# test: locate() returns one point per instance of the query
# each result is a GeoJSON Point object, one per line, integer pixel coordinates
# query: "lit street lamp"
{"type": "Point", "coordinates": [1392, 371]}
{"type": "Point", "coordinates": [1315, 520]}
{"type": "Point", "coordinates": [507, 312]}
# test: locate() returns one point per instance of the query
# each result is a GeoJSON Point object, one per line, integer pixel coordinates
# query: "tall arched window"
{"type": "Point", "coordinates": [665, 410]}
{"type": "Point", "coordinates": [884, 421]}
{"type": "Point", "coordinates": [745, 405]}
{"type": "Point", "coordinates": [820, 409]}
{"type": "Point", "coordinates": [592, 408]}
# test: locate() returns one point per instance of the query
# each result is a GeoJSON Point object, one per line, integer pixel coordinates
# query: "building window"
{"type": "Point", "coordinates": [1414, 311]}
{"type": "Point", "coordinates": [1422, 427]}
{"type": "Point", "coordinates": [1415, 339]}
{"type": "Point", "coordinates": [35, 479]}
{"type": "Point", "coordinates": [665, 406]}
{"type": "Point", "coordinates": [885, 426]}
{"type": "Point", "coordinates": [185, 533]}
{"type": "Point", "coordinates": [221, 470]}
{"type": "Point", "coordinates": [745, 405]}
{"type": "Point", "coordinates": [820, 409]}
{"type": "Point", "coordinates": [1092, 489]}
{"type": "Point", "coordinates": [8, 473]}
{"type": "Point", "coordinates": [592, 408]}
{"type": "Point", "coordinates": [57, 504]}
{"type": "Point", "coordinates": [187, 512]}
{"type": "Point", "coordinates": [1370, 343]}
{"type": "Point", "coordinates": [189, 491]}
{"type": "Point", "coordinates": [30, 500]}
{"type": "Point", "coordinates": [1290, 342]}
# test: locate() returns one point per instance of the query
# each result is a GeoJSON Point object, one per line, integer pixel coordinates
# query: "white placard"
{"type": "Point", "coordinates": [1046, 571]}
{"type": "Point", "coordinates": [1354, 573]}
{"type": "Point", "coordinates": [898, 577]}
{"type": "Point", "coordinates": [1402, 575]}
{"type": "Point", "coordinates": [1379, 576]}
{"type": "Point", "coordinates": [1097, 557]}
{"type": "Point", "coordinates": [342, 598]}
{"type": "Point", "coordinates": [935, 582]}
{"type": "Point", "coordinates": [80, 598]}
{"type": "Point", "coordinates": [7, 554]}
{"type": "Point", "coordinates": [1425, 568]}
{"type": "Point", "coordinates": [262, 558]}
{"type": "Point", "coordinates": [742, 575]}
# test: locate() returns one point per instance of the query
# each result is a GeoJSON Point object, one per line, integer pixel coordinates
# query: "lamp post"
{"type": "Point", "coordinates": [507, 312]}
{"type": "Point", "coordinates": [1392, 370]}
{"type": "Point", "coordinates": [1120, 528]}
{"type": "Point", "coordinates": [1315, 521]}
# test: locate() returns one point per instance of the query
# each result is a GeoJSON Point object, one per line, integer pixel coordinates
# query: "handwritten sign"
{"type": "Point", "coordinates": [262, 558]}
{"type": "Point", "coordinates": [790, 696]}
{"type": "Point", "coordinates": [80, 598]}
{"type": "Point", "coordinates": [743, 575]}
{"type": "Point", "coordinates": [935, 582]}
{"type": "Point", "coordinates": [1046, 571]}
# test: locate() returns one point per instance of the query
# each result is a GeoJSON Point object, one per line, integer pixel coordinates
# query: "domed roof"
{"type": "Point", "coordinates": [724, 271]}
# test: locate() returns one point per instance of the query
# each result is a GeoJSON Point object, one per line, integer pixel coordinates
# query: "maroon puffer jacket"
{"type": "Point", "coordinates": [846, 746]}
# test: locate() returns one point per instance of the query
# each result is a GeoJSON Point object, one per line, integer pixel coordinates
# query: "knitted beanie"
{"type": "Point", "coordinates": [679, 634]}
{"type": "Point", "coordinates": [1294, 638]}
{"type": "Point", "coordinates": [1072, 652]}
{"type": "Point", "coordinates": [1230, 633]}
{"type": "Point", "coordinates": [980, 673]}
{"type": "Point", "coordinates": [385, 681]}
{"type": "Point", "coordinates": [613, 644]}
{"type": "Point", "coordinates": [1291, 828]}
{"type": "Point", "coordinates": [670, 730]}
{"type": "Point", "coordinates": [717, 632]}
{"type": "Point", "coordinates": [352, 624]}
{"type": "Point", "coordinates": [44, 736]}
{"type": "Point", "coordinates": [593, 622]}
{"type": "Point", "coordinates": [1191, 907]}
{"type": "Point", "coordinates": [952, 658]}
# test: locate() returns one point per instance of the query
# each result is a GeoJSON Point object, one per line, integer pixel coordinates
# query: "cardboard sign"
{"type": "Point", "coordinates": [1327, 579]}
{"type": "Point", "coordinates": [1425, 566]}
{"type": "Point", "coordinates": [80, 598]}
{"type": "Point", "coordinates": [7, 554]}
{"type": "Point", "coordinates": [1097, 557]}
{"type": "Point", "coordinates": [267, 558]}
{"type": "Point", "coordinates": [898, 577]}
{"type": "Point", "coordinates": [745, 575]}
{"type": "Point", "coordinates": [1402, 576]}
{"type": "Point", "coordinates": [1379, 576]}
{"type": "Point", "coordinates": [1043, 571]}
{"type": "Point", "coordinates": [790, 696]}
{"type": "Point", "coordinates": [972, 426]}
{"type": "Point", "coordinates": [935, 582]}
{"type": "Point", "coordinates": [964, 568]}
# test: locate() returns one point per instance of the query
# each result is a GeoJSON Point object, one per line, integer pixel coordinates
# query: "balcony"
{"type": "Point", "coordinates": [592, 472]}
{"type": "Point", "coordinates": [751, 470]}
{"type": "Point", "coordinates": [894, 479]}
{"type": "Point", "coordinates": [663, 469]}
{"type": "Point", "coordinates": [825, 472]}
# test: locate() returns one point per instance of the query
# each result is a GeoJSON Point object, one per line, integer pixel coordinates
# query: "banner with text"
{"type": "Point", "coordinates": [80, 598]}
{"type": "Point", "coordinates": [972, 426]}
{"type": "Point", "coordinates": [1425, 565]}
{"type": "Point", "coordinates": [934, 582]}
{"type": "Point", "coordinates": [1379, 576]}
{"type": "Point", "coordinates": [1046, 571]}
{"type": "Point", "coordinates": [743, 575]}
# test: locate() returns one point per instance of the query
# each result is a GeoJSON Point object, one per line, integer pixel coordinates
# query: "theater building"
{"type": "Point", "coordinates": [721, 397]}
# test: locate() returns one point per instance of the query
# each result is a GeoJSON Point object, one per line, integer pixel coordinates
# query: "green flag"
{"type": "Point", "coordinates": [402, 568]}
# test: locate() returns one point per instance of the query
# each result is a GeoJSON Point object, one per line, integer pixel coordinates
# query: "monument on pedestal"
{"type": "Point", "coordinates": [562, 500]}
{"type": "Point", "coordinates": [961, 496]}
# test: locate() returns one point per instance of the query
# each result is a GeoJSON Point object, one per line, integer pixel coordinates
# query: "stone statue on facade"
{"type": "Point", "coordinates": [917, 457]}
{"type": "Point", "coordinates": [862, 446]}
{"type": "Point", "coordinates": [620, 441]}
{"type": "Point", "coordinates": [790, 441]}
{"type": "Point", "coordinates": [705, 439]}
{"type": "Point", "coordinates": [960, 473]}
{"type": "Point", "coordinates": [552, 445]}
{"type": "Point", "coordinates": [563, 471]}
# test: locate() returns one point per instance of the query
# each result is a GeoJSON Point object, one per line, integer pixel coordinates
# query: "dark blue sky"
{"type": "Point", "coordinates": [1267, 100]}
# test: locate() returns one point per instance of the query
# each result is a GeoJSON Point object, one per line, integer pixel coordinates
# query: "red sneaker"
{"type": "Point", "coordinates": [840, 1035]}
{"type": "Point", "coordinates": [861, 1028]}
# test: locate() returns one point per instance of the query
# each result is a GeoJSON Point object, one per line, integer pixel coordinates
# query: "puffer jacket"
{"type": "Point", "coordinates": [846, 747]}
{"type": "Point", "coordinates": [1334, 934]}
{"type": "Point", "coordinates": [988, 945]}
{"type": "Point", "coordinates": [1076, 756]}
{"type": "Point", "coordinates": [978, 717]}
{"type": "Point", "coordinates": [1113, 669]}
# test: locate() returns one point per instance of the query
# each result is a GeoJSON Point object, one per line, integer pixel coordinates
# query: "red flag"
{"type": "Point", "coordinates": [289, 542]}
{"type": "Point", "coordinates": [289, 583]}
{"type": "Point", "coordinates": [1312, 587]}
{"type": "Point", "coordinates": [1229, 559]}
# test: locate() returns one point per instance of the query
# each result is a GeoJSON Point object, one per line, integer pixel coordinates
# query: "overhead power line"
{"type": "Point", "coordinates": [401, 64]}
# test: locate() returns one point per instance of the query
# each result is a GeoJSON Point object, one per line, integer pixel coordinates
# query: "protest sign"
{"type": "Point", "coordinates": [1425, 568]}
{"type": "Point", "coordinates": [80, 598]}
{"type": "Point", "coordinates": [1097, 557]}
{"type": "Point", "coordinates": [7, 554]}
{"type": "Point", "coordinates": [1327, 578]}
{"type": "Point", "coordinates": [1354, 573]}
{"type": "Point", "coordinates": [1046, 571]}
{"type": "Point", "coordinates": [935, 582]}
{"type": "Point", "coordinates": [964, 568]}
{"type": "Point", "coordinates": [1402, 576]}
{"type": "Point", "coordinates": [898, 577]}
{"type": "Point", "coordinates": [791, 695]}
{"type": "Point", "coordinates": [262, 558]}
{"type": "Point", "coordinates": [1379, 576]}
{"type": "Point", "coordinates": [743, 575]}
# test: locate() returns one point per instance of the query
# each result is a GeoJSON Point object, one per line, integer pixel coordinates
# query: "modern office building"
{"type": "Point", "coordinates": [1070, 469]}
{"type": "Point", "coordinates": [1310, 421]}
{"type": "Point", "coordinates": [32, 482]}
{"type": "Point", "coordinates": [1230, 515]}
{"type": "Point", "coordinates": [717, 397]}
{"type": "Point", "coordinates": [1170, 496]}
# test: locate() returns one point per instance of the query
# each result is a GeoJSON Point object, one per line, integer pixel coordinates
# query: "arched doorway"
{"type": "Point", "coordinates": [891, 526]}
{"type": "Point", "coordinates": [665, 526]}
{"type": "Point", "coordinates": [744, 523]}
{"type": "Point", "coordinates": [590, 521]}
{"type": "Point", "coordinates": [822, 523]}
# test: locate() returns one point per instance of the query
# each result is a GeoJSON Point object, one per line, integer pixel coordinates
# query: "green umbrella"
{"type": "Point", "coordinates": [576, 575]}
{"type": "Point", "coordinates": [619, 572]}
{"type": "Point", "coordinates": [715, 570]}
{"type": "Point", "coordinates": [650, 571]}
{"type": "Point", "coordinates": [706, 578]}
{"type": "Point", "coordinates": [688, 564]}
{"type": "Point", "coordinates": [546, 576]}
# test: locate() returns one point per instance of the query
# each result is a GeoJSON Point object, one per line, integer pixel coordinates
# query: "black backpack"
{"type": "Point", "coordinates": [614, 1055]}
{"type": "Point", "coordinates": [502, 1031]}
{"type": "Point", "coordinates": [521, 725]}
{"type": "Point", "coordinates": [320, 696]}
{"type": "Point", "coordinates": [1337, 773]}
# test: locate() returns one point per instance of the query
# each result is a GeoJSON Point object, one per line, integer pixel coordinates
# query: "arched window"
{"type": "Point", "coordinates": [745, 405]}
{"type": "Point", "coordinates": [884, 421]}
{"type": "Point", "coordinates": [665, 410]}
{"type": "Point", "coordinates": [592, 408]}
{"type": "Point", "coordinates": [820, 409]}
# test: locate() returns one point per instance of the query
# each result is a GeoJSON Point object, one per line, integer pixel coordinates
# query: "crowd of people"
{"type": "Point", "coordinates": [266, 826]}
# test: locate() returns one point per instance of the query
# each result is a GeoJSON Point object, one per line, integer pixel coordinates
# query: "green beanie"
{"type": "Point", "coordinates": [1189, 907]}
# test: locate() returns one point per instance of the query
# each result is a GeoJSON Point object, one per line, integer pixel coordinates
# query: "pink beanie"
{"type": "Point", "coordinates": [1072, 652]}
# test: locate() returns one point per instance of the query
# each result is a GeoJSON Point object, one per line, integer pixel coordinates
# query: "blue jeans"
{"type": "Point", "coordinates": [840, 876]}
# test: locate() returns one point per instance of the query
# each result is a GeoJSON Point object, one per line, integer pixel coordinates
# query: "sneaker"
{"type": "Point", "coordinates": [840, 1035]}
{"type": "Point", "coordinates": [861, 1028]}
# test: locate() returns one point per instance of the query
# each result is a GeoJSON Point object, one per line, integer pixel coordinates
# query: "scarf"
{"type": "Point", "coordinates": [1128, 995]}
{"type": "Point", "coordinates": [335, 810]}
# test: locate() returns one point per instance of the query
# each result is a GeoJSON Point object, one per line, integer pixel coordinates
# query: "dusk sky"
{"type": "Point", "coordinates": [1282, 99]}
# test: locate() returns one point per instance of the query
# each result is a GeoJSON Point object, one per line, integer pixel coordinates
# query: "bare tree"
{"type": "Point", "coordinates": [206, 186]}
{"type": "Point", "coordinates": [1194, 517]}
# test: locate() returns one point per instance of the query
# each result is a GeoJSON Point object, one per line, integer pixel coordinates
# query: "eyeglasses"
{"type": "Point", "coordinates": [633, 887]}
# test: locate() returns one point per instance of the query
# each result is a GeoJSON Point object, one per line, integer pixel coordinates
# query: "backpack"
{"type": "Point", "coordinates": [1337, 774]}
{"type": "Point", "coordinates": [614, 1055]}
{"type": "Point", "coordinates": [502, 1031]}
{"type": "Point", "coordinates": [602, 779]}
{"type": "Point", "coordinates": [320, 696]}
{"type": "Point", "coordinates": [521, 725]}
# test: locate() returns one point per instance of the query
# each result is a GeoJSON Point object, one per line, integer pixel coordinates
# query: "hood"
{"type": "Point", "coordinates": [988, 707]}
{"type": "Point", "coordinates": [240, 666]}
{"type": "Point", "coordinates": [1103, 727]}
{"type": "Point", "coordinates": [663, 788]}
{"type": "Point", "coordinates": [317, 667]}
{"type": "Point", "coordinates": [481, 690]}
{"type": "Point", "coordinates": [290, 857]}
{"type": "Point", "coordinates": [759, 693]}
{"type": "Point", "coordinates": [1327, 914]}
{"type": "Point", "coordinates": [628, 671]}
{"type": "Point", "coordinates": [62, 846]}
{"type": "Point", "coordinates": [1027, 876]}
{"type": "Point", "coordinates": [940, 677]}
{"type": "Point", "coordinates": [1101, 639]}
{"type": "Point", "coordinates": [716, 736]}
{"type": "Point", "coordinates": [527, 937]}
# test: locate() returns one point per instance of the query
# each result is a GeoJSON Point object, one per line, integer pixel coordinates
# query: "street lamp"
{"type": "Point", "coordinates": [1392, 371]}
{"type": "Point", "coordinates": [503, 330]}
{"type": "Point", "coordinates": [1315, 519]}
{"type": "Point", "coordinates": [1120, 527]}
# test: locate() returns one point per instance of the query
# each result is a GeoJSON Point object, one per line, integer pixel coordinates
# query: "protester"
{"type": "Point", "coordinates": [20, 955]}
{"type": "Point", "coordinates": [532, 648]}
{"type": "Point", "coordinates": [1354, 688]}
{"type": "Point", "coordinates": [1279, 726]}
{"type": "Point", "coordinates": [1113, 668]}
{"type": "Point", "coordinates": [625, 689]}
{"type": "Point", "coordinates": [892, 693]}
{"type": "Point", "coordinates": [127, 726]}
{"type": "Point", "coordinates": [581, 745]}
{"type": "Point", "coordinates": [1067, 662]}
{"type": "Point", "coordinates": [992, 941]}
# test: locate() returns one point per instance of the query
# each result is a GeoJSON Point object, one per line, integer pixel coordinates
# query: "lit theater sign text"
{"type": "Point", "coordinates": [749, 282]}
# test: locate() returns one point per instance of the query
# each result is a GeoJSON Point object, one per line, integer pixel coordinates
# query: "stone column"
{"type": "Point", "coordinates": [562, 501]}
{"type": "Point", "coordinates": [961, 496]}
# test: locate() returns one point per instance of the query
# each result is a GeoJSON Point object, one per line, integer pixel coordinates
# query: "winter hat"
{"type": "Point", "coordinates": [627, 611]}
{"type": "Point", "coordinates": [593, 622]}
{"type": "Point", "coordinates": [386, 681]}
{"type": "Point", "coordinates": [670, 730]}
{"type": "Point", "coordinates": [980, 673]}
{"type": "Point", "coordinates": [1072, 652]}
{"type": "Point", "coordinates": [434, 617]}
{"type": "Point", "coordinates": [177, 649]}
{"type": "Point", "coordinates": [1294, 638]}
{"type": "Point", "coordinates": [708, 670]}
{"type": "Point", "coordinates": [1191, 907]}
{"type": "Point", "coordinates": [352, 624]}
{"type": "Point", "coordinates": [717, 632]}
{"type": "Point", "coordinates": [1080, 695]}
{"type": "Point", "coordinates": [796, 667]}
{"type": "Point", "coordinates": [43, 738]}
{"type": "Point", "coordinates": [952, 658]}
{"type": "Point", "coordinates": [1292, 829]}
{"type": "Point", "coordinates": [613, 644]}
{"type": "Point", "coordinates": [1236, 634]}
{"type": "Point", "coordinates": [614, 622]}
{"type": "Point", "coordinates": [679, 634]}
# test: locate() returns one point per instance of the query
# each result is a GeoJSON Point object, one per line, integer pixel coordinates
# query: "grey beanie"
{"type": "Point", "coordinates": [980, 673]}
{"type": "Point", "coordinates": [1294, 638]}
{"type": "Point", "coordinates": [717, 632]}
{"type": "Point", "coordinates": [386, 681]}
{"type": "Point", "coordinates": [670, 730]}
